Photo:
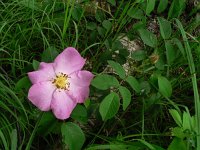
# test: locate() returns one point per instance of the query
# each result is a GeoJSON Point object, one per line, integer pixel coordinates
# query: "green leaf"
{"type": "Point", "coordinates": [49, 54]}
{"type": "Point", "coordinates": [180, 46]}
{"type": "Point", "coordinates": [77, 13]}
{"type": "Point", "coordinates": [109, 106]}
{"type": "Point", "coordinates": [177, 144]}
{"type": "Point", "coordinates": [104, 82]}
{"type": "Point", "coordinates": [112, 2]}
{"type": "Point", "coordinates": [165, 28]}
{"type": "Point", "coordinates": [23, 83]}
{"type": "Point", "coordinates": [101, 31]}
{"type": "Point", "coordinates": [176, 8]}
{"type": "Point", "coordinates": [138, 55]}
{"type": "Point", "coordinates": [79, 113]}
{"type": "Point", "coordinates": [118, 68]}
{"type": "Point", "coordinates": [107, 25]}
{"type": "Point", "coordinates": [148, 37]}
{"type": "Point", "coordinates": [186, 121]}
{"type": "Point", "coordinates": [162, 6]}
{"type": "Point", "coordinates": [99, 15]}
{"type": "Point", "coordinates": [150, 6]}
{"type": "Point", "coordinates": [47, 120]}
{"type": "Point", "coordinates": [91, 26]}
{"type": "Point", "coordinates": [133, 83]}
{"type": "Point", "coordinates": [135, 13]}
{"type": "Point", "coordinates": [165, 87]}
{"type": "Point", "coordinates": [176, 116]}
{"type": "Point", "coordinates": [126, 96]}
{"type": "Point", "coordinates": [178, 132]}
{"type": "Point", "coordinates": [170, 52]}
{"type": "Point", "coordinates": [13, 138]}
{"type": "Point", "coordinates": [35, 64]}
{"type": "Point", "coordinates": [73, 136]}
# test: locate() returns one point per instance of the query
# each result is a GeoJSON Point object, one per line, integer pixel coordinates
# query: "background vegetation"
{"type": "Point", "coordinates": [146, 58]}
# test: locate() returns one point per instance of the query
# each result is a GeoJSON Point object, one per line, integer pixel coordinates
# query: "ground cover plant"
{"type": "Point", "coordinates": [126, 74]}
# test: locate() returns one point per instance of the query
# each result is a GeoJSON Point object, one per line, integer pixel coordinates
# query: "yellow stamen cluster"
{"type": "Point", "coordinates": [61, 81]}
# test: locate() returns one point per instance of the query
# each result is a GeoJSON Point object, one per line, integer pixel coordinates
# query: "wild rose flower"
{"type": "Point", "coordinates": [60, 85]}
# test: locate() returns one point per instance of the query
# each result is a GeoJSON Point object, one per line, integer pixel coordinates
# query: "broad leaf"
{"type": "Point", "coordinates": [162, 6]}
{"type": "Point", "coordinates": [126, 96]}
{"type": "Point", "coordinates": [104, 82]}
{"type": "Point", "coordinates": [109, 106]}
{"type": "Point", "coordinates": [176, 116]}
{"type": "Point", "coordinates": [49, 54]}
{"type": "Point", "coordinates": [79, 113]}
{"type": "Point", "coordinates": [73, 136]}
{"type": "Point", "coordinates": [177, 144]}
{"type": "Point", "coordinates": [118, 68]}
{"type": "Point", "coordinates": [107, 25]}
{"type": "Point", "coordinates": [165, 28]}
{"type": "Point", "coordinates": [165, 87]}
{"type": "Point", "coordinates": [133, 83]}
{"type": "Point", "coordinates": [148, 37]}
{"type": "Point", "coordinates": [150, 6]}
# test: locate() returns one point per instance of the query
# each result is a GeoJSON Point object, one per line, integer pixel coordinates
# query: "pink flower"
{"type": "Point", "coordinates": [60, 85]}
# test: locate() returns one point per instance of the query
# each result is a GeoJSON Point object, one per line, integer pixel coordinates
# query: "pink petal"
{"type": "Point", "coordinates": [40, 95]}
{"type": "Point", "coordinates": [79, 94]}
{"type": "Point", "coordinates": [62, 105]}
{"type": "Point", "coordinates": [68, 61]}
{"type": "Point", "coordinates": [81, 78]}
{"type": "Point", "coordinates": [45, 73]}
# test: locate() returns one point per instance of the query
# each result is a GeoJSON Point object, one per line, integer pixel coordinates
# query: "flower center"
{"type": "Point", "coordinates": [61, 81]}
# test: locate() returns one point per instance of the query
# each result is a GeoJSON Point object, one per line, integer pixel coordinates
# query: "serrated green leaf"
{"type": "Point", "coordinates": [133, 83]}
{"type": "Point", "coordinates": [104, 82]}
{"type": "Point", "coordinates": [176, 116]}
{"type": "Point", "coordinates": [109, 106]}
{"type": "Point", "coordinates": [165, 28]}
{"type": "Point", "coordinates": [162, 6]}
{"type": "Point", "coordinates": [73, 136]}
{"type": "Point", "coordinates": [79, 113]}
{"type": "Point", "coordinates": [126, 96]}
{"type": "Point", "coordinates": [165, 87]}
{"type": "Point", "coordinates": [118, 68]}
{"type": "Point", "coordinates": [148, 37]}
{"type": "Point", "coordinates": [150, 6]}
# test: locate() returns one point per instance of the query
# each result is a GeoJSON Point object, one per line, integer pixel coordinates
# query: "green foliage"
{"type": "Point", "coordinates": [73, 136]}
{"type": "Point", "coordinates": [109, 106]}
{"type": "Point", "coordinates": [165, 87]}
{"type": "Point", "coordinates": [126, 96]}
{"type": "Point", "coordinates": [104, 81]}
{"type": "Point", "coordinates": [148, 38]}
{"type": "Point", "coordinates": [118, 68]}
